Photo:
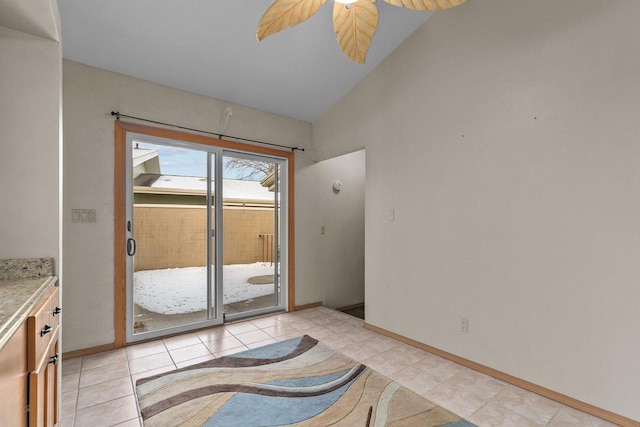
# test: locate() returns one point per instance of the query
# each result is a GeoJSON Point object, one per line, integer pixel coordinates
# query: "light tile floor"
{"type": "Point", "coordinates": [98, 390]}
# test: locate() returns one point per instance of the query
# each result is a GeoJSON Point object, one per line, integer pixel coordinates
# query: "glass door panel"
{"type": "Point", "coordinates": [252, 234]}
{"type": "Point", "coordinates": [171, 283]}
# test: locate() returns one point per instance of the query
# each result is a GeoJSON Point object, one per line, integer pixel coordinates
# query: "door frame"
{"type": "Point", "coordinates": [119, 253]}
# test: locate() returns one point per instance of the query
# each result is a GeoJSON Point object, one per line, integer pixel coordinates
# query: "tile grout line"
{"type": "Point", "coordinates": [133, 386]}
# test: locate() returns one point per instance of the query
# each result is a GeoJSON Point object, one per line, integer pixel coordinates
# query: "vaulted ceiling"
{"type": "Point", "coordinates": [210, 47]}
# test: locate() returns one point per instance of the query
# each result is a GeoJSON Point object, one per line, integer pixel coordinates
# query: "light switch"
{"type": "Point", "coordinates": [83, 215]}
{"type": "Point", "coordinates": [391, 216]}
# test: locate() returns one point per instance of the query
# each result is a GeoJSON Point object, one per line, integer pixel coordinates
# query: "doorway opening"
{"type": "Point", "coordinates": [206, 232]}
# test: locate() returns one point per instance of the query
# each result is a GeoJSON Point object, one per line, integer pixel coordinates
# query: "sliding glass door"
{"type": "Point", "coordinates": [204, 232]}
{"type": "Point", "coordinates": [252, 223]}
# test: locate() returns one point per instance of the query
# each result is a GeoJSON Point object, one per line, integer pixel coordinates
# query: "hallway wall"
{"type": "Point", "coordinates": [505, 136]}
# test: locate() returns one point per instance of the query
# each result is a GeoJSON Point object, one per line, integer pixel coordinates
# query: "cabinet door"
{"type": "Point", "coordinates": [43, 386]}
{"type": "Point", "coordinates": [37, 392]}
{"type": "Point", "coordinates": [13, 380]}
{"type": "Point", "coordinates": [51, 386]}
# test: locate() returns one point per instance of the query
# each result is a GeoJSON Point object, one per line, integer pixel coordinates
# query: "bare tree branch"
{"type": "Point", "coordinates": [250, 170]}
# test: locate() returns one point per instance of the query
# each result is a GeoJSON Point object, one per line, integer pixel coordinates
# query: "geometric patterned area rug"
{"type": "Point", "coordinates": [298, 382]}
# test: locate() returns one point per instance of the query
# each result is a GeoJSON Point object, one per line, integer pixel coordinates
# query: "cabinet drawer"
{"type": "Point", "coordinates": [40, 330]}
{"type": "Point", "coordinates": [56, 311]}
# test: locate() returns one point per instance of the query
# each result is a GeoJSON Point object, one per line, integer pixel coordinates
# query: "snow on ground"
{"type": "Point", "coordinates": [184, 290]}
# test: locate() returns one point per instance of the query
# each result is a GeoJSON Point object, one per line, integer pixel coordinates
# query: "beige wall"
{"type": "Point", "coordinates": [90, 94]}
{"type": "Point", "coordinates": [331, 265]}
{"type": "Point", "coordinates": [505, 135]}
{"type": "Point", "coordinates": [30, 113]}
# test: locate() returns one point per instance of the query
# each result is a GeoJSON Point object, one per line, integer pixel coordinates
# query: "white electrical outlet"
{"type": "Point", "coordinates": [464, 325]}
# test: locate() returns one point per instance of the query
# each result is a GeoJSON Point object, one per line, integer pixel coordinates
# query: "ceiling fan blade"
{"type": "Point", "coordinates": [355, 25]}
{"type": "Point", "coordinates": [283, 14]}
{"type": "Point", "coordinates": [429, 5]}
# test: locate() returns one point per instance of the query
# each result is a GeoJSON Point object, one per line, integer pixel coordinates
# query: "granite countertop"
{"type": "Point", "coordinates": [23, 282]}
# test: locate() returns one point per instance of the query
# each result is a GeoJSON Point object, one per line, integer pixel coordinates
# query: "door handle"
{"type": "Point", "coordinates": [131, 247]}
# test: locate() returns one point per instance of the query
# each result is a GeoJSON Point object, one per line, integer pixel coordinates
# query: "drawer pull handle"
{"type": "Point", "coordinates": [45, 330]}
{"type": "Point", "coordinates": [57, 311]}
{"type": "Point", "coordinates": [54, 359]}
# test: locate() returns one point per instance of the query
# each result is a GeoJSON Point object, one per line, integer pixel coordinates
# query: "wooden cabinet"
{"type": "Point", "coordinates": [42, 362]}
{"type": "Point", "coordinates": [14, 380]}
{"type": "Point", "coordinates": [29, 369]}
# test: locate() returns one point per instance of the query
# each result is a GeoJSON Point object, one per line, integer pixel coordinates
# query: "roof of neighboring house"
{"type": "Point", "coordinates": [141, 155]}
{"type": "Point", "coordinates": [269, 181]}
{"type": "Point", "coordinates": [233, 189]}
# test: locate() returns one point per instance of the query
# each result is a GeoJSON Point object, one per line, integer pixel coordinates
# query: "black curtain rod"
{"type": "Point", "coordinates": [117, 115]}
